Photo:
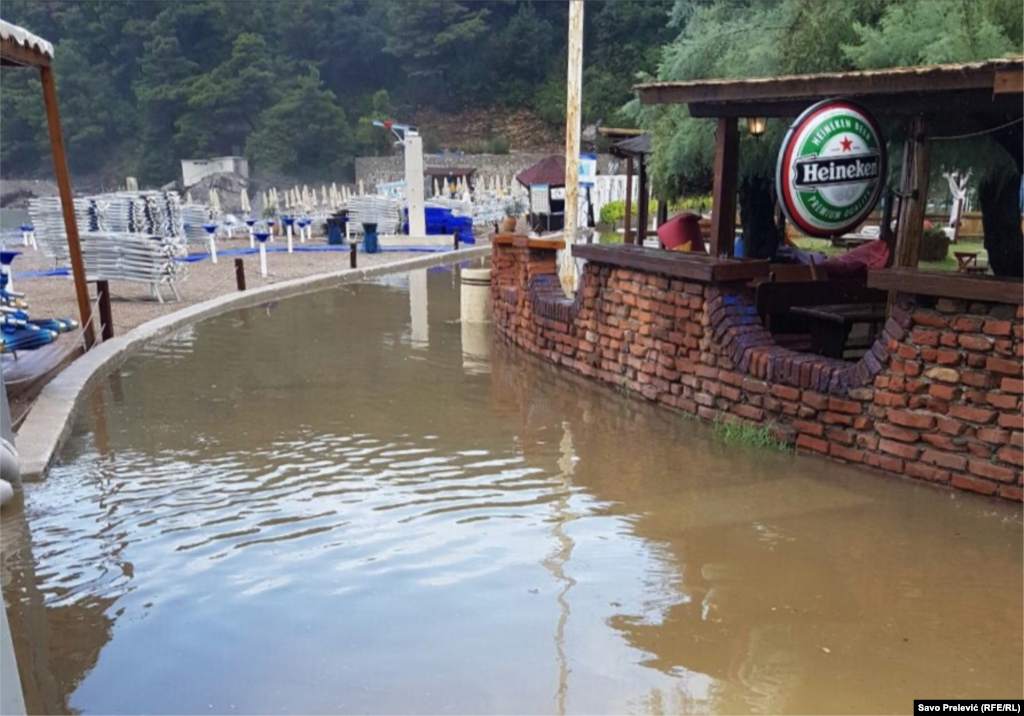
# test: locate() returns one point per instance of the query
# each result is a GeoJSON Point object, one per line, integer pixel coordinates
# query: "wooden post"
{"type": "Point", "coordinates": [106, 314]}
{"type": "Point", "coordinates": [723, 193]}
{"type": "Point", "coordinates": [915, 201]}
{"type": "Point", "coordinates": [60, 168]}
{"type": "Point", "coordinates": [567, 272]}
{"type": "Point", "coordinates": [352, 254]}
{"type": "Point", "coordinates": [628, 236]}
{"type": "Point", "coordinates": [642, 211]}
{"type": "Point", "coordinates": [240, 274]}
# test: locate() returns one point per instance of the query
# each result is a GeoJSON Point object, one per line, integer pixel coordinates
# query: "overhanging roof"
{"type": "Point", "coordinates": [989, 85]}
{"type": "Point", "coordinates": [19, 47]}
{"type": "Point", "coordinates": [634, 146]}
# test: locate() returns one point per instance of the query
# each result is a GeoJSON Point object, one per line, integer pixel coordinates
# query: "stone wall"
{"type": "Point", "coordinates": [374, 170]}
{"type": "Point", "coordinates": [937, 398]}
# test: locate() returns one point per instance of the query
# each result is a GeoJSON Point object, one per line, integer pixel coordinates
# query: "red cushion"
{"type": "Point", "coordinates": [682, 229]}
{"type": "Point", "coordinates": [870, 256]}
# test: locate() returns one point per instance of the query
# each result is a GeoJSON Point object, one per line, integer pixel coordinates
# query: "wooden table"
{"type": "Point", "coordinates": [830, 325]}
{"type": "Point", "coordinates": [965, 260]}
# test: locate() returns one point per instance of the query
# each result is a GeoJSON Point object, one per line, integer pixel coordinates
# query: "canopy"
{"type": "Point", "coordinates": [549, 170]}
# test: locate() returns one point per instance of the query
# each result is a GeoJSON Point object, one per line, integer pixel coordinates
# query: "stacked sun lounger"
{"type": "Point", "coordinates": [48, 220]}
{"type": "Point", "coordinates": [193, 216]}
{"type": "Point", "coordinates": [19, 332]}
{"type": "Point", "coordinates": [125, 236]}
{"type": "Point", "coordinates": [372, 209]}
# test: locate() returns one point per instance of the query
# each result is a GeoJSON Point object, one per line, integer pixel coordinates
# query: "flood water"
{"type": "Point", "coordinates": [344, 503]}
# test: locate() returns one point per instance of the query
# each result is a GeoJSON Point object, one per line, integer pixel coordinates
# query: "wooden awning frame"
{"type": "Point", "coordinates": [31, 53]}
{"type": "Point", "coordinates": [924, 95]}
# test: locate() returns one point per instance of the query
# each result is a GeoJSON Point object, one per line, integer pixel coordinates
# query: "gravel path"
{"type": "Point", "coordinates": [132, 305]}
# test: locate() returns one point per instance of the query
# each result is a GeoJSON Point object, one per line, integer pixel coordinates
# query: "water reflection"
{"type": "Point", "coordinates": [310, 511]}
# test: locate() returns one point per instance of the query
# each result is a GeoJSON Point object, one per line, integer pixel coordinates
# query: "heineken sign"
{"type": "Point", "coordinates": [831, 168]}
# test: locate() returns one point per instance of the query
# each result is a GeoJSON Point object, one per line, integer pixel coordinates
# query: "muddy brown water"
{"type": "Point", "coordinates": [347, 503]}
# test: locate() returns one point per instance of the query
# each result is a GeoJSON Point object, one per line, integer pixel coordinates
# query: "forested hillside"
{"type": "Point", "coordinates": [294, 85]}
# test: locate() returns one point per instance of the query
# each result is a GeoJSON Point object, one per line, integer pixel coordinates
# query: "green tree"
{"type": "Point", "coordinates": [434, 39]}
{"type": "Point", "coordinates": [305, 134]}
{"type": "Point", "coordinates": [161, 96]}
{"type": "Point", "coordinates": [225, 103]}
{"type": "Point", "coordinates": [371, 140]}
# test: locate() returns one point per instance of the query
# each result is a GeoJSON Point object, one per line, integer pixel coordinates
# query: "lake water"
{"type": "Point", "coordinates": [347, 502]}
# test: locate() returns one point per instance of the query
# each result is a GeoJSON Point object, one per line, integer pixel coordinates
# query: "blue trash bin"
{"type": "Point", "coordinates": [370, 244]}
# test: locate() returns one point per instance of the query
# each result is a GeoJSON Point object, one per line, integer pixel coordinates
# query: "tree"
{"type": "Point", "coordinates": [434, 39]}
{"type": "Point", "coordinates": [305, 134]}
{"type": "Point", "coordinates": [224, 104]}
{"type": "Point", "coordinates": [371, 140]}
{"type": "Point", "coordinates": [161, 97]}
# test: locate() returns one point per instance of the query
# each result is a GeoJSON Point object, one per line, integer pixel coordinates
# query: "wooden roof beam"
{"type": "Point", "coordinates": [14, 54]}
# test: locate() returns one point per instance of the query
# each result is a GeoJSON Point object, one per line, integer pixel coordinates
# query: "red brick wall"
{"type": "Point", "coordinates": [937, 398]}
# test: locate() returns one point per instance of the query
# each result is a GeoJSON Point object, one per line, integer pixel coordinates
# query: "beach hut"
{"type": "Point", "coordinates": [545, 181]}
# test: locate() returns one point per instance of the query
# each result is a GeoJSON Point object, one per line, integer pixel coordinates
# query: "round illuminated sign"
{"type": "Point", "coordinates": [831, 168]}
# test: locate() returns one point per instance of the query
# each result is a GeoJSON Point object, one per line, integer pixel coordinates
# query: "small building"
{"type": "Point", "coordinates": [193, 170]}
{"type": "Point", "coordinates": [545, 181]}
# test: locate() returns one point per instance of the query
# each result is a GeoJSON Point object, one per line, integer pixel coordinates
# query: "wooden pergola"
{"type": "Point", "coordinates": [636, 147]}
{"type": "Point", "coordinates": [20, 48]}
{"type": "Point", "coordinates": [932, 99]}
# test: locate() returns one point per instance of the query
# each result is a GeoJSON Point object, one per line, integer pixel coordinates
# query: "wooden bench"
{"type": "Point", "coordinates": [831, 325]}
{"type": "Point", "coordinates": [776, 300]}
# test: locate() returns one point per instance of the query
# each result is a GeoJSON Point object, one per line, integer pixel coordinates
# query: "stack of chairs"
{"type": "Point", "coordinates": [125, 236]}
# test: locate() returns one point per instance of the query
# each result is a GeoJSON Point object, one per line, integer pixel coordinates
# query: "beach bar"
{"type": "Point", "coordinates": [936, 393]}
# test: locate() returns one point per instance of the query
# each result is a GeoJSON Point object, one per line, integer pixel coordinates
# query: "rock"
{"type": "Point", "coordinates": [229, 187]}
{"type": "Point", "coordinates": [946, 375]}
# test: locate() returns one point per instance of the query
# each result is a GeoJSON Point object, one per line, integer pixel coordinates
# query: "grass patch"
{"type": "Point", "coordinates": [758, 436]}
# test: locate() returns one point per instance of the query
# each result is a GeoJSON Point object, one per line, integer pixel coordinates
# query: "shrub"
{"type": "Point", "coordinates": [498, 145]}
{"type": "Point", "coordinates": [934, 245]}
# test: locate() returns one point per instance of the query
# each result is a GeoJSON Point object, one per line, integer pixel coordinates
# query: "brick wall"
{"type": "Point", "coordinates": [937, 398]}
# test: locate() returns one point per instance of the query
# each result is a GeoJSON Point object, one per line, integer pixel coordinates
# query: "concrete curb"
{"type": "Point", "coordinates": [49, 420]}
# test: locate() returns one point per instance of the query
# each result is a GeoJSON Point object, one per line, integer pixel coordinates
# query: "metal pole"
{"type": "Point", "coordinates": [352, 255]}
{"type": "Point", "coordinates": [60, 168]}
{"type": "Point", "coordinates": [567, 273]}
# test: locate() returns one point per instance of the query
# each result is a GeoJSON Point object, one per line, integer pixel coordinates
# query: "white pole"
{"type": "Point", "coordinates": [288, 228]}
{"type": "Point", "coordinates": [567, 273]}
{"type": "Point", "coordinates": [213, 249]}
{"type": "Point", "coordinates": [263, 259]}
{"type": "Point", "coordinates": [414, 185]}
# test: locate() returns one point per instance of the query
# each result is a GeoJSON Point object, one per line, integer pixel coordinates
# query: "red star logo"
{"type": "Point", "coordinates": [847, 144]}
